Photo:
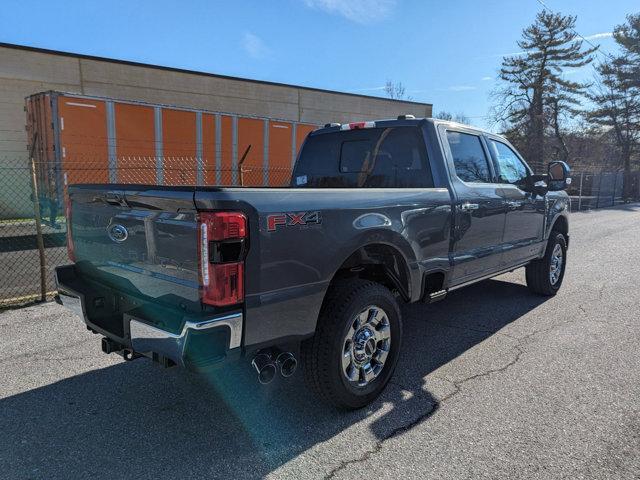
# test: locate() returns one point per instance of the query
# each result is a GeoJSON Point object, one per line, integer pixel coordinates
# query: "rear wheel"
{"type": "Point", "coordinates": [352, 356]}
{"type": "Point", "coordinates": [545, 276]}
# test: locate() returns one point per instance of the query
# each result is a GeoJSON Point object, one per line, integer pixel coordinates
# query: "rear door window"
{"type": "Point", "coordinates": [366, 158]}
{"type": "Point", "coordinates": [468, 157]}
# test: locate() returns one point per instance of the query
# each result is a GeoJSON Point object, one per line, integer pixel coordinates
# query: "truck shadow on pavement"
{"type": "Point", "coordinates": [133, 420]}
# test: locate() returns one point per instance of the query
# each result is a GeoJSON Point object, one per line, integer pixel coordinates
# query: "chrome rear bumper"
{"type": "Point", "coordinates": [147, 339]}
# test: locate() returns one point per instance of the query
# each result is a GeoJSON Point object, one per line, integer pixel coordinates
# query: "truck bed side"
{"type": "Point", "coordinates": [289, 266]}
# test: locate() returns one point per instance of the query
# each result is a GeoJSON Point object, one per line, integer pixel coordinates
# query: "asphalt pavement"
{"type": "Point", "coordinates": [493, 382]}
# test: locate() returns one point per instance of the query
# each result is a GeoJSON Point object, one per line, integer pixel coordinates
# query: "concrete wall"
{"type": "Point", "coordinates": [24, 72]}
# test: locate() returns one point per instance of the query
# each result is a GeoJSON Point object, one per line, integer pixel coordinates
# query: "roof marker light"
{"type": "Point", "coordinates": [358, 125]}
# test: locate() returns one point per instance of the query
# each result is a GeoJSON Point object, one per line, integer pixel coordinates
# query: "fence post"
{"type": "Point", "coordinates": [580, 192]}
{"type": "Point", "coordinates": [40, 239]}
{"type": "Point", "coordinates": [615, 184]}
{"type": "Point", "coordinates": [599, 190]}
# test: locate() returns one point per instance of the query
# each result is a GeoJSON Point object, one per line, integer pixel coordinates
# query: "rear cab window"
{"type": "Point", "coordinates": [393, 157]}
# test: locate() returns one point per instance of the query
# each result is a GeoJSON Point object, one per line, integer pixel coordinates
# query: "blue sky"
{"type": "Point", "coordinates": [444, 52]}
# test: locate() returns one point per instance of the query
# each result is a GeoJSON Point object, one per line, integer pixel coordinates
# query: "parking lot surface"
{"type": "Point", "coordinates": [493, 382]}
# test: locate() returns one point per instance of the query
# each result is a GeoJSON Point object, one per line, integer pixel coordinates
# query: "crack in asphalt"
{"type": "Point", "coordinates": [458, 387]}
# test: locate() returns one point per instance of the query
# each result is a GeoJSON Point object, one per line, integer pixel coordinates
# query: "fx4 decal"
{"type": "Point", "coordinates": [291, 219]}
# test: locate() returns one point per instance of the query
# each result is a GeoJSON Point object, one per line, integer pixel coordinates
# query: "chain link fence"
{"type": "Point", "coordinates": [27, 248]}
{"type": "Point", "coordinates": [32, 197]}
{"type": "Point", "coordinates": [591, 190]}
{"type": "Point", "coordinates": [32, 209]}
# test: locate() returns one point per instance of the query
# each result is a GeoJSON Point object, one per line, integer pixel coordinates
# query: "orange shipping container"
{"type": "Point", "coordinates": [179, 148]}
{"type": "Point", "coordinates": [251, 141]}
{"type": "Point", "coordinates": [85, 139]}
{"type": "Point", "coordinates": [281, 141]}
{"type": "Point", "coordinates": [135, 146]}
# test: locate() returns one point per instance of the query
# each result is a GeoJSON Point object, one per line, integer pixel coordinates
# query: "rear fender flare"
{"type": "Point", "coordinates": [401, 248]}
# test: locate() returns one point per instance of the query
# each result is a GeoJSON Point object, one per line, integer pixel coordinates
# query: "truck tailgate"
{"type": "Point", "coordinates": [138, 240]}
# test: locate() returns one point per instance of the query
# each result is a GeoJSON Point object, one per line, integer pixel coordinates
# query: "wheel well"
{"type": "Point", "coordinates": [379, 263]}
{"type": "Point", "coordinates": [561, 225]}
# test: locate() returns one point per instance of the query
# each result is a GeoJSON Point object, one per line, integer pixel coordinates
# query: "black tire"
{"type": "Point", "coordinates": [322, 354]}
{"type": "Point", "coordinates": [538, 271]}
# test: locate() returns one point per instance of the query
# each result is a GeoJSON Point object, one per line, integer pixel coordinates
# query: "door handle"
{"type": "Point", "coordinates": [514, 205]}
{"type": "Point", "coordinates": [467, 207]}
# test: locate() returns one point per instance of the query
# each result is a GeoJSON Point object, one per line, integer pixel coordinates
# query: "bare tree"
{"type": "Point", "coordinates": [458, 117]}
{"type": "Point", "coordinates": [395, 90]}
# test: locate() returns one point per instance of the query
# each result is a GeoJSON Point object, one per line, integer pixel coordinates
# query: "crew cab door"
{"type": "Point", "coordinates": [523, 230]}
{"type": "Point", "coordinates": [479, 206]}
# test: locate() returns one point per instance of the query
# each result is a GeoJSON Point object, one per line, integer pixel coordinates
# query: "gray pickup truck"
{"type": "Point", "coordinates": [378, 213]}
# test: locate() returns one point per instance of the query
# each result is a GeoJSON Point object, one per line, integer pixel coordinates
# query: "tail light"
{"type": "Point", "coordinates": [71, 249]}
{"type": "Point", "coordinates": [222, 237]}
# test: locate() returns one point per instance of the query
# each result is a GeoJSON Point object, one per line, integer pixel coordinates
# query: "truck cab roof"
{"type": "Point", "coordinates": [401, 121]}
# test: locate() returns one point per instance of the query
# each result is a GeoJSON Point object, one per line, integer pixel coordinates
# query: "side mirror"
{"type": "Point", "coordinates": [558, 176]}
{"type": "Point", "coordinates": [536, 184]}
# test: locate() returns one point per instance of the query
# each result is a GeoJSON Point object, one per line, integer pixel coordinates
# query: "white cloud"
{"type": "Point", "coordinates": [486, 79]}
{"type": "Point", "coordinates": [596, 36]}
{"type": "Point", "coordinates": [254, 46]}
{"type": "Point", "coordinates": [460, 88]}
{"type": "Point", "coordinates": [359, 11]}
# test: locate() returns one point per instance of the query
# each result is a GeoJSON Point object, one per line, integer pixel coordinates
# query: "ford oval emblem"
{"type": "Point", "coordinates": [118, 233]}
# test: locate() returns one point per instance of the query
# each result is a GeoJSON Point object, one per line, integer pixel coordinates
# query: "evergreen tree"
{"type": "Point", "coordinates": [627, 36]}
{"type": "Point", "coordinates": [616, 95]}
{"type": "Point", "coordinates": [536, 97]}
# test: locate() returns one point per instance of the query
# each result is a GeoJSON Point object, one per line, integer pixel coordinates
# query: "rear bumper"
{"type": "Point", "coordinates": [147, 339]}
{"type": "Point", "coordinates": [69, 300]}
{"type": "Point", "coordinates": [202, 342]}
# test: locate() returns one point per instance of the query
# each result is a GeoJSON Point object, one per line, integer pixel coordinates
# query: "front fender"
{"type": "Point", "coordinates": [557, 208]}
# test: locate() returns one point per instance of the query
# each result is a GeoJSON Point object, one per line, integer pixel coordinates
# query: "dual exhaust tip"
{"type": "Point", "coordinates": [268, 363]}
